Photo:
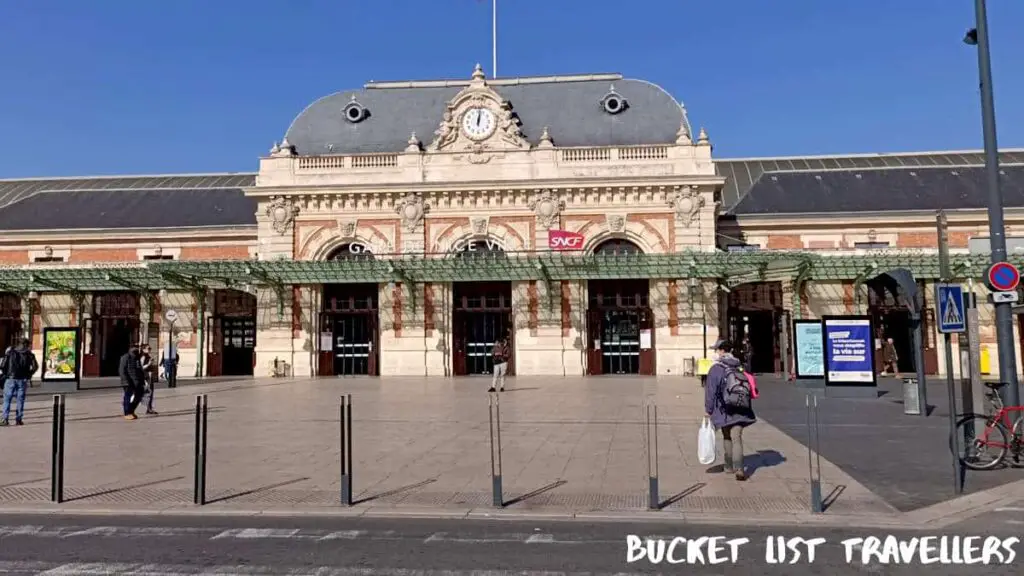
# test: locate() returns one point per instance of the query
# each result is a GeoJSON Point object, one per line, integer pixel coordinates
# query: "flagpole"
{"type": "Point", "coordinates": [494, 38]}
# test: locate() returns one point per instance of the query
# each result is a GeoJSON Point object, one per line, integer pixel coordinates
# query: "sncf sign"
{"type": "Point", "coordinates": [564, 240]}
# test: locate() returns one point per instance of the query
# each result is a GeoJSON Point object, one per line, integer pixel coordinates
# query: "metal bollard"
{"type": "Point", "coordinates": [494, 418]}
{"type": "Point", "coordinates": [651, 449]}
{"type": "Point", "coordinates": [814, 454]}
{"type": "Point", "coordinates": [202, 419]}
{"type": "Point", "coordinates": [57, 453]}
{"type": "Point", "coordinates": [345, 423]}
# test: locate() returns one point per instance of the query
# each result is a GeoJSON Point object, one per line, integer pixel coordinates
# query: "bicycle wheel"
{"type": "Point", "coordinates": [1017, 443]}
{"type": "Point", "coordinates": [983, 442]}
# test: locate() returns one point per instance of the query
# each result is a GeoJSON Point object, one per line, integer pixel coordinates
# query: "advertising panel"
{"type": "Point", "coordinates": [849, 350]}
{"type": "Point", "coordinates": [562, 240]}
{"type": "Point", "coordinates": [60, 354]}
{"type": "Point", "coordinates": [809, 353]}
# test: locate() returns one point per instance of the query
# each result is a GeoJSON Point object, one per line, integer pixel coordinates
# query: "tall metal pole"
{"type": "Point", "coordinates": [996, 226]}
{"type": "Point", "coordinates": [494, 38]}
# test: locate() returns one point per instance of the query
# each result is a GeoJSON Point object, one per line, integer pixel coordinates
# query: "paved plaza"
{"type": "Point", "coordinates": [567, 444]}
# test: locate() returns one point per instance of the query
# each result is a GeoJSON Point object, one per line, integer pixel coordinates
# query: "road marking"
{"type": "Point", "coordinates": [104, 569]}
{"type": "Point", "coordinates": [257, 534]}
{"type": "Point", "coordinates": [100, 531]}
{"type": "Point", "coordinates": [1010, 509]}
{"type": "Point", "coordinates": [540, 539]}
{"type": "Point", "coordinates": [343, 535]}
{"type": "Point", "coordinates": [1015, 522]}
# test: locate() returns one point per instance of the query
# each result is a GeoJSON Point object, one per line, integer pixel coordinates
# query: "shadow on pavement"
{"type": "Point", "coordinates": [829, 500]}
{"type": "Point", "coordinates": [535, 493]}
{"type": "Point", "coordinates": [677, 497]}
{"type": "Point", "coordinates": [761, 459]}
{"type": "Point", "coordinates": [267, 488]}
{"type": "Point", "coordinates": [124, 489]}
{"type": "Point", "coordinates": [393, 492]}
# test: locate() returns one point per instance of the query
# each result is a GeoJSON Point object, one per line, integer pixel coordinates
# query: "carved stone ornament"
{"type": "Point", "coordinates": [547, 207]}
{"type": "Point", "coordinates": [411, 210]}
{"type": "Point", "coordinates": [507, 134]}
{"type": "Point", "coordinates": [687, 203]}
{"type": "Point", "coordinates": [479, 225]}
{"type": "Point", "coordinates": [616, 223]}
{"type": "Point", "coordinates": [347, 228]}
{"type": "Point", "coordinates": [282, 213]}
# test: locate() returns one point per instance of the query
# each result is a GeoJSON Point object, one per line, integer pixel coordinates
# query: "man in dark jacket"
{"type": "Point", "coordinates": [730, 420]}
{"type": "Point", "coordinates": [18, 365]}
{"type": "Point", "coordinates": [133, 381]}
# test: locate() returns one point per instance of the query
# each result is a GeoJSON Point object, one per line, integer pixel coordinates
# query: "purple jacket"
{"type": "Point", "coordinates": [713, 402]}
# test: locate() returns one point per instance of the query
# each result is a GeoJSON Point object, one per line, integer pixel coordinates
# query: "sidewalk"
{"type": "Point", "coordinates": [569, 446]}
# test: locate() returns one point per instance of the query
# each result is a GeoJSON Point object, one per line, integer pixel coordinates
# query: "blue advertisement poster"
{"type": "Point", "coordinates": [849, 350]}
{"type": "Point", "coordinates": [808, 351]}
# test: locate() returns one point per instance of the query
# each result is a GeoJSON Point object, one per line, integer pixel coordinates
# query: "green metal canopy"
{"type": "Point", "coordinates": [730, 267]}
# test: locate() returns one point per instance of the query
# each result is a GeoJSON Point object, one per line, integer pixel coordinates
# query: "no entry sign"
{"type": "Point", "coordinates": [1003, 276]}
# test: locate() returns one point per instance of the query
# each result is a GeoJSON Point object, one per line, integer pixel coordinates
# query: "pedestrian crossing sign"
{"type": "Point", "coordinates": [950, 298]}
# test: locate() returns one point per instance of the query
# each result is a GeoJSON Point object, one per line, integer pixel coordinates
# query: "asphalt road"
{"type": "Point", "coordinates": [420, 547]}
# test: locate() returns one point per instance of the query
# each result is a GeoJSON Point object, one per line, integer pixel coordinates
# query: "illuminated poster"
{"type": "Point", "coordinates": [849, 350]}
{"type": "Point", "coordinates": [60, 354]}
{"type": "Point", "coordinates": [809, 353]}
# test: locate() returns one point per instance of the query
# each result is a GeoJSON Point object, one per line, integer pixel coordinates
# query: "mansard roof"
{"type": "Point", "coordinates": [571, 107]}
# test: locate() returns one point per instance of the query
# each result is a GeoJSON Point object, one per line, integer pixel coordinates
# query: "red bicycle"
{"type": "Point", "coordinates": [987, 440]}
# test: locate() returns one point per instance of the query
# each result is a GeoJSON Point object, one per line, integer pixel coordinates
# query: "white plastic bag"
{"type": "Point", "coordinates": [706, 453]}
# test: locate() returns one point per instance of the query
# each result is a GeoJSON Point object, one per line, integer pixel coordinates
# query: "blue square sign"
{"type": "Point", "coordinates": [951, 308]}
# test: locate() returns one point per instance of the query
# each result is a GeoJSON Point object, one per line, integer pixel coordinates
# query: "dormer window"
{"type": "Point", "coordinates": [613, 102]}
{"type": "Point", "coordinates": [355, 112]}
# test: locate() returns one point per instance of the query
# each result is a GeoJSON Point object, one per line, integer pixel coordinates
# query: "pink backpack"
{"type": "Point", "coordinates": [753, 384]}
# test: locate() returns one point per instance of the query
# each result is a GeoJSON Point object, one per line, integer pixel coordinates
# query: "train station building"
{"type": "Point", "coordinates": [401, 228]}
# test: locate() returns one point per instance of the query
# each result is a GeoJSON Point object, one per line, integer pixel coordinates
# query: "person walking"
{"type": "Point", "coordinates": [747, 355]}
{"type": "Point", "coordinates": [19, 364]}
{"type": "Point", "coordinates": [727, 403]}
{"type": "Point", "coordinates": [501, 354]}
{"type": "Point", "coordinates": [169, 362]}
{"type": "Point", "coordinates": [890, 359]}
{"type": "Point", "coordinates": [132, 381]}
{"type": "Point", "coordinates": [149, 373]}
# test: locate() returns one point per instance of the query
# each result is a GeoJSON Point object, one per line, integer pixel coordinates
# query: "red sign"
{"type": "Point", "coordinates": [1003, 276]}
{"type": "Point", "coordinates": [564, 240]}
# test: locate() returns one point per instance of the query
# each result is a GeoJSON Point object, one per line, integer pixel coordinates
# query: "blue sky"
{"type": "Point", "coordinates": [146, 86]}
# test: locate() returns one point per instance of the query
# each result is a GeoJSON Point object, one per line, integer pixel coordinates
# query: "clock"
{"type": "Point", "coordinates": [478, 123]}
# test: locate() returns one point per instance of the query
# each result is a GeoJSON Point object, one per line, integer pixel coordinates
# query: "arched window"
{"type": "Point", "coordinates": [617, 246]}
{"type": "Point", "coordinates": [351, 251]}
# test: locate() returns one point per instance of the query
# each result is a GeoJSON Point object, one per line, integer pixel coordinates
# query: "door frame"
{"type": "Point", "coordinates": [461, 293]}
{"type": "Point", "coordinates": [626, 295]}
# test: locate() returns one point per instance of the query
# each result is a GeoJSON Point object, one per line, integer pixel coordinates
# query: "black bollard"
{"type": "Point", "coordinates": [346, 449]}
{"type": "Point", "coordinates": [202, 418]}
{"type": "Point", "coordinates": [651, 447]}
{"type": "Point", "coordinates": [494, 420]}
{"type": "Point", "coordinates": [57, 452]}
{"type": "Point", "coordinates": [814, 455]}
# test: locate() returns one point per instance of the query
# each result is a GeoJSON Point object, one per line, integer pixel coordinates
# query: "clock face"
{"type": "Point", "coordinates": [478, 123]}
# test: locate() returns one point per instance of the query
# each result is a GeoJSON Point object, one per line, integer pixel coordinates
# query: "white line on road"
{"type": "Point", "coordinates": [257, 534]}
{"type": "Point", "coordinates": [1010, 509]}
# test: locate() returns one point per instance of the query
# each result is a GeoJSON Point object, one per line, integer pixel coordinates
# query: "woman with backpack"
{"type": "Point", "coordinates": [727, 403]}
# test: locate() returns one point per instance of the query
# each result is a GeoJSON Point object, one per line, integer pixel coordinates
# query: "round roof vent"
{"type": "Point", "coordinates": [613, 102]}
{"type": "Point", "coordinates": [355, 112]}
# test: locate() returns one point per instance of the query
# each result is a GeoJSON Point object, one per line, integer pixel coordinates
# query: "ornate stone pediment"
{"type": "Point", "coordinates": [411, 209]}
{"type": "Point", "coordinates": [479, 225]}
{"type": "Point", "coordinates": [505, 134]}
{"type": "Point", "coordinates": [547, 207]}
{"type": "Point", "coordinates": [281, 212]}
{"type": "Point", "coordinates": [687, 203]}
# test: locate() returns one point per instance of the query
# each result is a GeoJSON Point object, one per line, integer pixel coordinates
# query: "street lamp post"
{"type": "Point", "coordinates": [997, 229]}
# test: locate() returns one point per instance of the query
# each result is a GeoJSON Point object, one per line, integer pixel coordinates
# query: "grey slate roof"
{"type": "Point", "coordinates": [569, 107]}
{"type": "Point", "coordinates": [119, 208]}
{"type": "Point", "coordinates": [878, 190]}
{"type": "Point", "coordinates": [742, 174]}
{"type": "Point", "coordinates": [14, 190]}
{"type": "Point", "coordinates": [166, 201]}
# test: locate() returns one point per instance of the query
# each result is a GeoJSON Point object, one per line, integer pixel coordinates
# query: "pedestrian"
{"type": "Point", "coordinates": [727, 403]}
{"type": "Point", "coordinates": [133, 381]}
{"type": "Point", "coordinates": [501, 355]}
{"type": "Point", "coordinates": [149, 371]}
{"type": "Point", "coordinates": [19, 364]}
{"type": "Point", "coordinates": [890, 359]}
{"type": "Point", "coordinates": [747, 355]}
{"type": "Point", "coordinates": [169, 362]}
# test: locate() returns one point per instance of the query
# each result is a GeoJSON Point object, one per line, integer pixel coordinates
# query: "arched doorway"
{"type": "Point", "coordinates": [10, 319]}
{"type": "Point", "coordinates": [890, 315]}
{"type": "Point", "coordinates": [481, 314]}
{"type": "Point", "coordinates": [620, 322]}
{"type": "Point", "coordinates": [231, 349]}
{"type": "Point", "coordinates": [349, 332]}
{"type": "Point", "coordinates": [112, 327]}
{"type": "Point", "coordinates": [756, 313]}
